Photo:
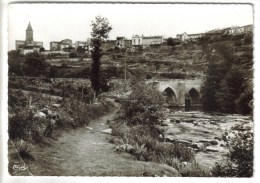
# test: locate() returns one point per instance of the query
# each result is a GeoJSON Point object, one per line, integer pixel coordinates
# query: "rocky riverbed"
{"type": "Point", "coordinates": [207, 134]}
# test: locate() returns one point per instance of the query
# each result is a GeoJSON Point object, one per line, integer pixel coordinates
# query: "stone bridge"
{"type": "Point", "coordinates": [180, 92]}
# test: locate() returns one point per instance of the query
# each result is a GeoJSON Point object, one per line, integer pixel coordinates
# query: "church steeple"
{"type": "Point", "coordinates": [29, 33]}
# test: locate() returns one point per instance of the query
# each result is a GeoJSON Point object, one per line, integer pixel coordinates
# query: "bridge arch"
{"type": "Point", "coordinates": [171, 97]}
{"type": "Point", "coordinates": [194, 96]}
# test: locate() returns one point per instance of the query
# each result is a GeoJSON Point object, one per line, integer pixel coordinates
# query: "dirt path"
{"type": "Point", "coordinates": [84, 152]}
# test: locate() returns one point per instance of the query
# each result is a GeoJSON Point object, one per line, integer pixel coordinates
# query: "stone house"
{"type": "Point", "coordinates": [187, 37]}
{"type": "Point", "coordinates": [137, 40]}
{"type": "Point", "coordinates": [152, 41]}
{"type": "Point", "coordinates": [55, 46]}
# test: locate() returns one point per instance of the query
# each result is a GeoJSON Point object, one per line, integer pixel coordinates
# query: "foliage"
{"type": "Point", "coordinates": [193, 169]}
{"type": "Point", "coordinates": [34, 65]}
{"type": "Point", "coordinates": [81, 113]}
{"type": "Point", "coordinates": [144, 105]}
{"type": "Point", "coordinates": [100, 31]}
{"type": "Point", "coordinates": [15, 62]}
{"type": "Point", "coordinates": [248, 39]}
{"type": "Point", "coordinates": [73, 55]}
{"type": "Point", "coordinates": [16, 98]}
{"type": "Point", "coordinates": [77, 91]}
{"type": "Point", "coordinates": [170, 41]}
{"type": "Point", "coordinates": [244, 104]}
{"type": "Point", "coordinates": [230, 89]}
{"type": "Point", "coordinates": [22, 125]}
{"type": "Point", "coordinates": [24, 149]}
{"type": "Point", "coordinates": [239, 162]}
{"type": "Point", "coordinates": [42, 49]}
{"type": "Point", "coordinates": [225, 88]}
{"type": "Point", "coordinates": [174, 75]}
{"type": "Point", "coordinates": [53, 72]}
{"type": "Point", "coordinates": [81, 49]}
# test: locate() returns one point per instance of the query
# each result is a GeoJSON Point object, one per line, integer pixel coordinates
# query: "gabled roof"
{"type": "Point", "coordinates": [29, 28]}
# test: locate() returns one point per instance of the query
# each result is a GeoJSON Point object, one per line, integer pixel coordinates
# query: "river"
{"type": "Point", "coordinates": [206, 133]}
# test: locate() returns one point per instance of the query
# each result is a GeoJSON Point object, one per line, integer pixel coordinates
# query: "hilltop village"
{"type": "Point", "coordinates": [135, 44]}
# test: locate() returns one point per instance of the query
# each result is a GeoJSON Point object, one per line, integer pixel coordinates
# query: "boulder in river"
{"type": "Point", "coordinates": [217, 138]}
{"type": "Point", "coordinates": [169, 138]}
{"type": "Point", "coordinates": [216, 149]}
{"type": "Point", "coordinates": [211, 149]}
{"type": "Point", "coordinates": [213, 142]}
{"type": "Point", "coordinates": [107, 131]}
{"type": "Point", "coordinates": [204, 141]}
{"type": "Point", "coordinates": [185, 142]}
{"type": "Point", "coordinates": [198, 145]}
{"type": "Point", "coordinates": [188, 120]}
{"type": "Point", "coordinates": [165, 124]}
{"type": "Point", "coordinates": [213, 122]}
{"type": "Point", "coordinates": [177, 121]}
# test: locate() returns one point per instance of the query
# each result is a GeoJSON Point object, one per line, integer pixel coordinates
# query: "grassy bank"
{"type": "Point", "coordinates": [45, 120]}
{"type": "Point", "coordinates": [146, 144]}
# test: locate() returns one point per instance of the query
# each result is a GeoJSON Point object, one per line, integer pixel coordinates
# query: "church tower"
{"type": "Point", "coordinates": [29, 34]}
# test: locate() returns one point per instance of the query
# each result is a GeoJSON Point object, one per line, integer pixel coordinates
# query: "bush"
{"type": "Point", "coordinates": [193, 169]}
{"type": "Point", "coordinates": [24, 149]}
{"type": "Point", "coordinates": [144, 105]}
{"type": "Point", "coordinates": [35, 64]}
{"type": "Point", "coordinates": [248, 39]}
{"type": "Point", "coordinates": [23, 126]}
{"type": "Point", "coordinates": [174, 75]}
{"type": "Point", "coordinates": [19, 124]}
{"type": "Point", "coordinates": [73, 55]}
{"type": "Point", "coordinates": [80, 113]}
{"type": "Point", "coordinates": [239, 162]}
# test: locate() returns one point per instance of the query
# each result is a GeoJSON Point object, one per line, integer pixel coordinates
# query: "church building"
{"type": "Point", "coordinates": [28, 45]}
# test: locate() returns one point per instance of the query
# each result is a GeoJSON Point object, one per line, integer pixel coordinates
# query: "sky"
{"type": "Point", "coordinates": [55, 22]}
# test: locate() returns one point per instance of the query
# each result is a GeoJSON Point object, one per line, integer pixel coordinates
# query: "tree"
{"type": "Point", "coordinates": [170, 41]}
{"type": "Point", "coordinates": [214, 75]}
{"type": "Point", "coordinates": [15, 62]}
{"type": "Point", "coordinates": [248, 39]}
{"type": "Point", "coordinates": [230, 89]}
{"type": "Point", "coordinates": [227, 87]}
{"type": "Point", "coordinates": [42, 49]}
{"type": "Point", "coordinates": [100, 31]}
{"type": "Point", "coordinates": [34, 65]}
{"type": "Point", "coordinates": [53, 72]}
{"type": "Point", "coordinates": [144, 105]}
{"type": "Point", "coordinates": [73, 55]}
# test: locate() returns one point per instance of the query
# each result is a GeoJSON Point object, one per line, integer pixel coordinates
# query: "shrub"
{"type": "Point", "coordinates": [24, 149]}
{"type": "Point", "coordinates": [248, 39]}
{"type": "Point", "coordinates": [73, 55]}
{"type": "Point", "coordinates": [193, 169]}
{"type": "Point", "coordinates": [18, 124]}
{"type": "Point", "coordinates": [80, 113]}
{"type": "Point", "coordinates": [35, 64]}
{"type": "Point", "coordinates": [23, 126]}
{"type": "Point", "coordinates": [239, 162]}
{"type": "Point", "coordinates": [144, 105]}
